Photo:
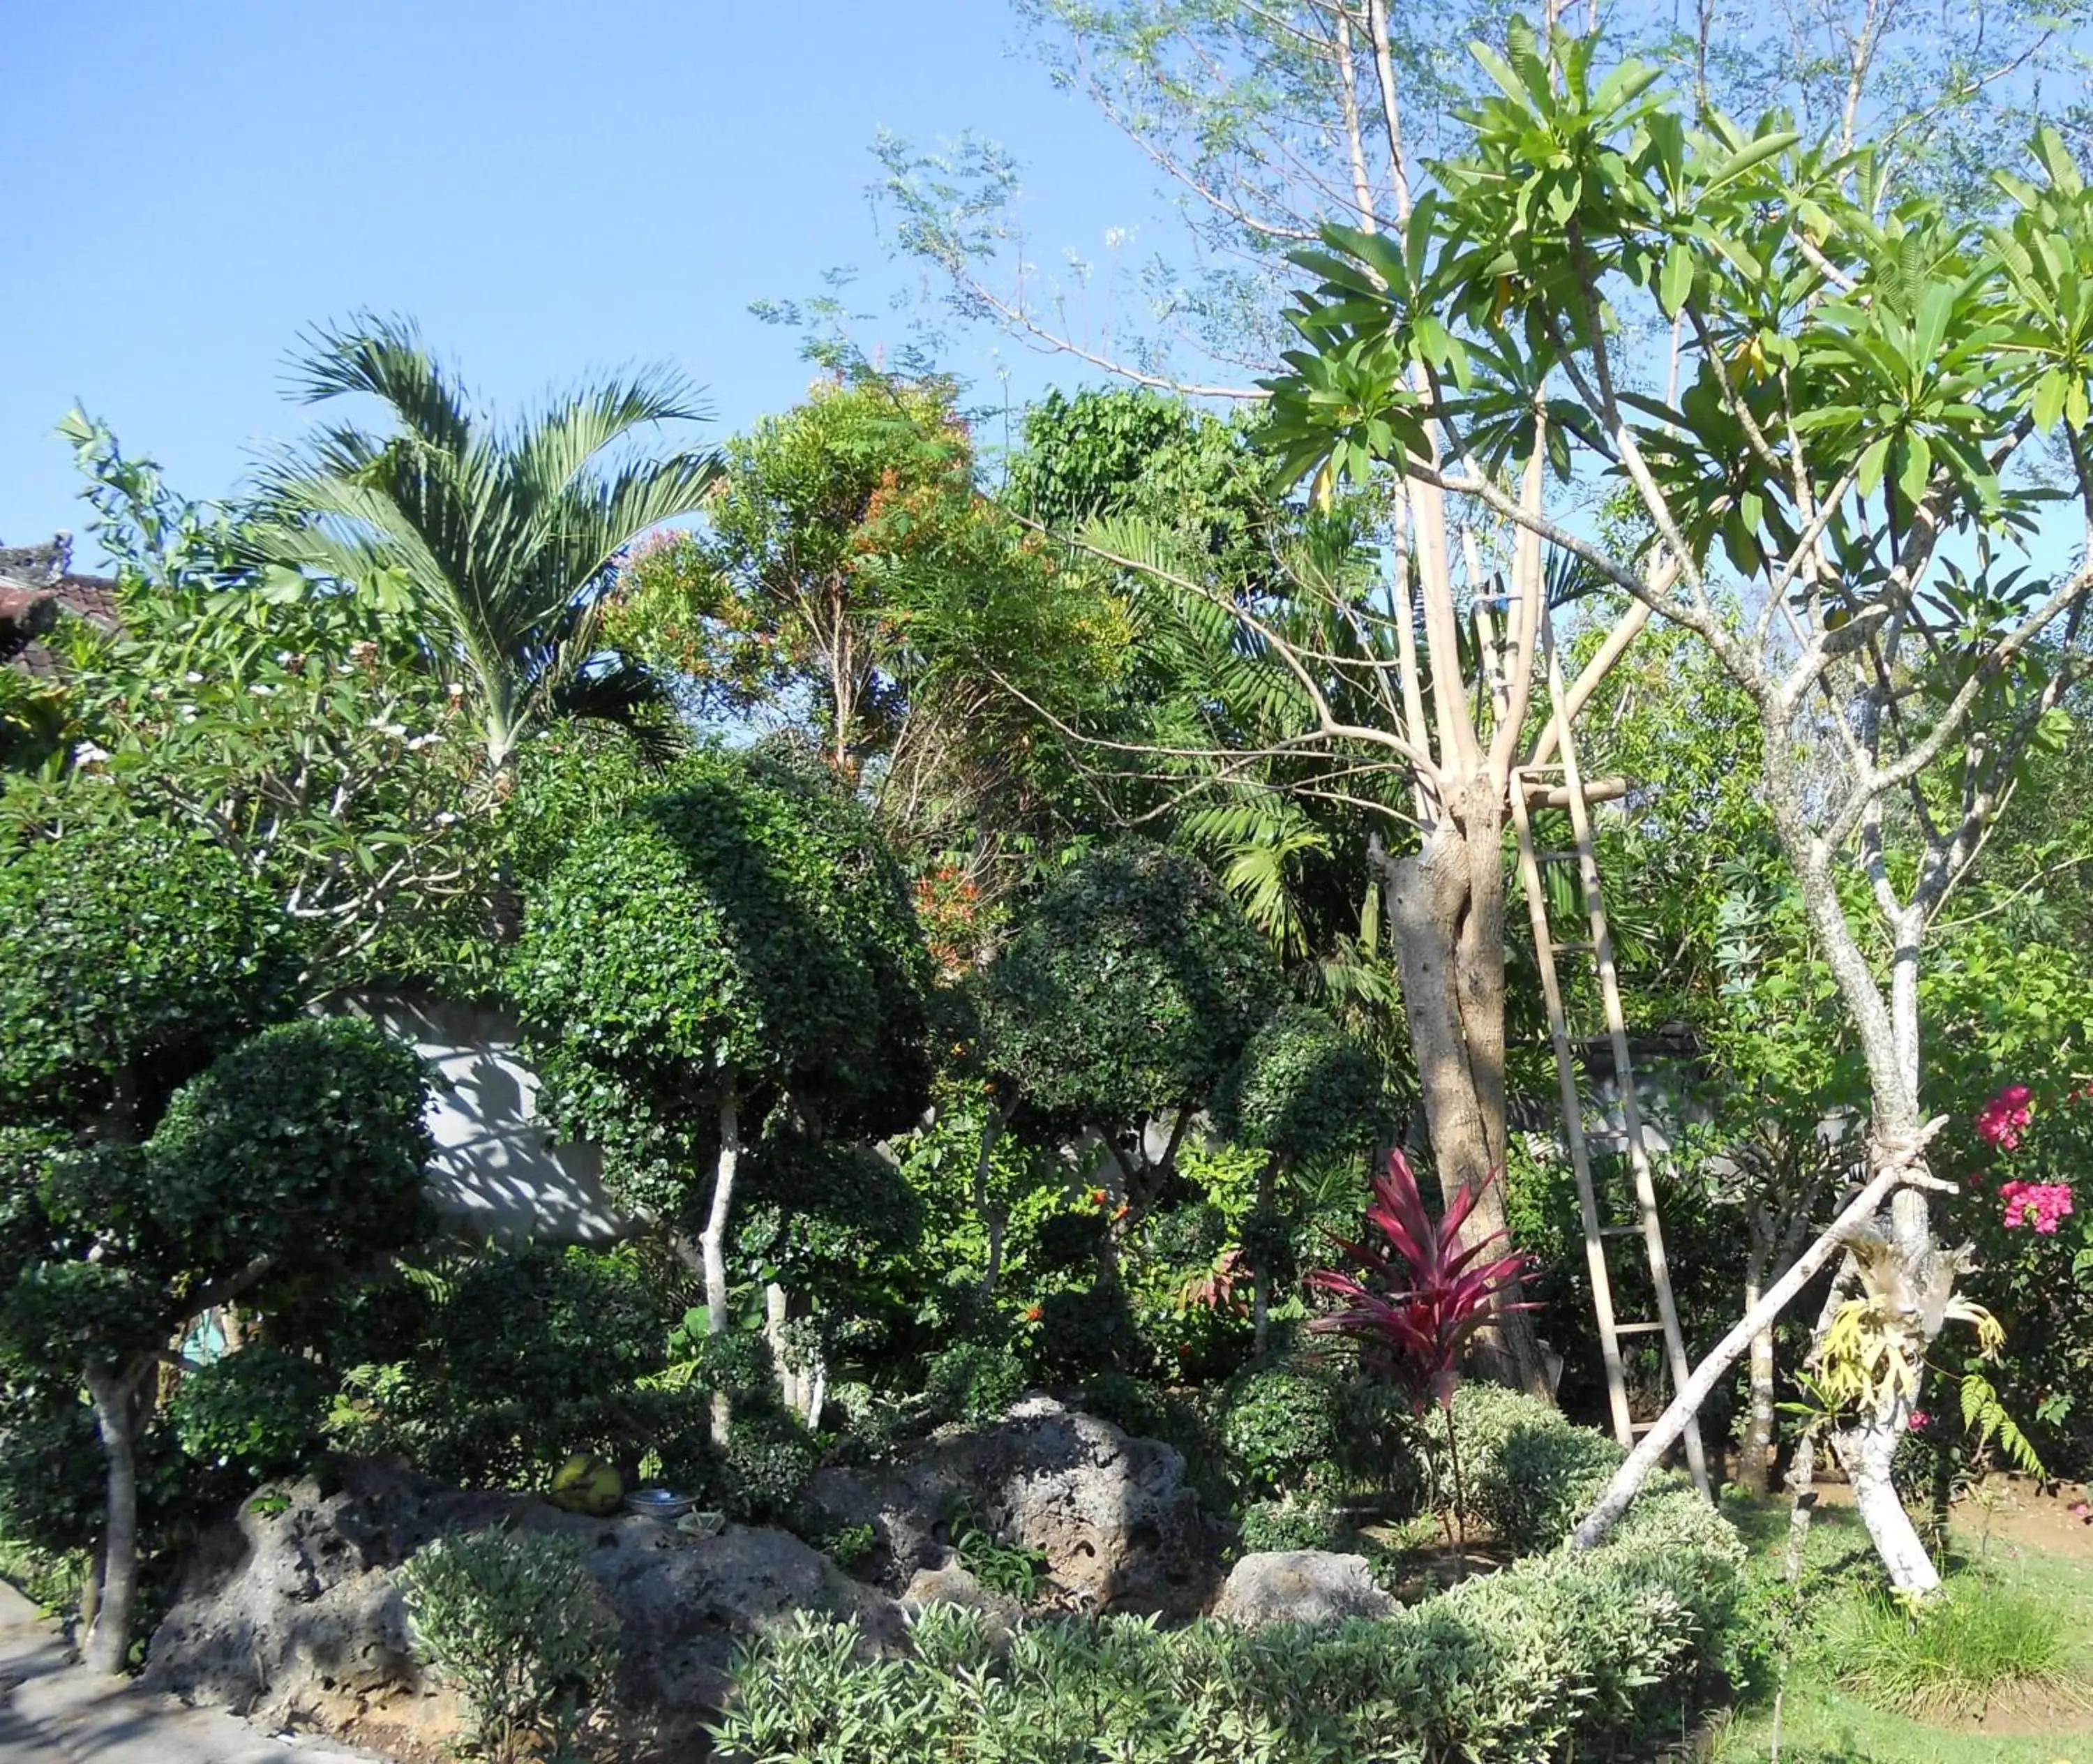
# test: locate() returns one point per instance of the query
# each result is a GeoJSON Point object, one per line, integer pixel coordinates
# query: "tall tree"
{"type": "Point", "coordinates": [503, 539]}
{"type": "Point", "coordinates": [1828, 490]}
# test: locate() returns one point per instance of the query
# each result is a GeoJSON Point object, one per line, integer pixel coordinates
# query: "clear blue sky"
{"type": "Point", "coordinates": [548, 187]}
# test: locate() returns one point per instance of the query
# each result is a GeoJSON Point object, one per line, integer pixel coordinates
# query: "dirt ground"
{"type": "Point", "coordinates": [2010, 1511]}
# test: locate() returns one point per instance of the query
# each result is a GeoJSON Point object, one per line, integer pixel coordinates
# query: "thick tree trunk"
{"type": "Point", "coordinates": [108, 1648]}
{"type": "Point", "coordinates": [1445, 912]}
{"type": "Point", "coordinates": [712, 1243]}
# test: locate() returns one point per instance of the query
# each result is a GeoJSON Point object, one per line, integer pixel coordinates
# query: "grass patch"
{"type": "Point", "coordinates": [1822, 1722]}
{"type": "Point", "coordinates": [50, 1581]}
{"type": "Point", "coordinates": [1952, 1656]}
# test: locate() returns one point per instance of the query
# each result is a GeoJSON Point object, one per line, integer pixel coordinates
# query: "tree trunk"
{"type": "Point", "coordinates": [1866, 1450]}
{"type": "Point", "coordinates": [1260, 1280]}
{"type": "Point", "coordinates": [108, 1648]}
{"type": "Point", "coordinates": [1755, 1453]}
{"type": "Point", "coordinates": [712, 1243]}
{"type": "Point", "coordinates": [775, 1305]}
{"type": "Point", "coordinates": [1445, 912]}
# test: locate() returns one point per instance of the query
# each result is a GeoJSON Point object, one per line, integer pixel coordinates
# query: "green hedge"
{"type": "Point", "coordinates": [1562, 1655]}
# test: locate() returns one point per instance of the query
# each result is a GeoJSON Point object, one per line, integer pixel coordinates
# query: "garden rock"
{"type": "Point", "coordinates": [1119, 1527]}
{"type": "Point", "coordinates": [1300, 1586]}
{"type": "Point", "coordinates": [954, 1584]}
{"type": "Point", "coordinates": [298, 1613]}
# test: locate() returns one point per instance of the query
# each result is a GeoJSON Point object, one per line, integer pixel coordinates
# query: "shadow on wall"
{"type": "Point", "coordinates": [498, 1170]}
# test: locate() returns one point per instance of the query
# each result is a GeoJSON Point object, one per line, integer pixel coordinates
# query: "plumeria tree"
{"type": "Point", "coordinates": [1830, 417]}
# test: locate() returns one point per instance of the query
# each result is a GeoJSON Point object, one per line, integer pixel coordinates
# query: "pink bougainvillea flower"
{"type": "Point", "coordinates": [1919, 1418]}
{"type": "Point", "coordinates": [2000, 1121]}
{"type": "Point", "coordinates": [2038, 1205]}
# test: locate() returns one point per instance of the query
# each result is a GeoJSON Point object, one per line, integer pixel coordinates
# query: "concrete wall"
{"type": "Point", "coordinates": [499, 1171]}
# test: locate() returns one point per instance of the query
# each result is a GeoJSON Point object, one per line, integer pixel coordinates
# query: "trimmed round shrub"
{"type": "Point", "coordinates": [974, 1380]}
{"type": "Point", "coordinates": [1130, 988]}
{"type": "Point", "coordinates": [257, 1411]}
{"type": "Point", "coordinates": [1528, 1474]}
{"type": "Point", "coordinates": [1281, 1427]}
{"type": "Point", "coordinates": [136, 951]}
{"type": "Point", "coordinates": [764, 1467]}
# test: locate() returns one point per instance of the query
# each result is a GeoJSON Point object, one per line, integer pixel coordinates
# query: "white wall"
{"type": "Point", "coordinates": [498, 1170]}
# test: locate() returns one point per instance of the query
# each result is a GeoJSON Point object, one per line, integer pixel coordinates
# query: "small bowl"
{"type": "Point", "coordinates": [658, 1503]}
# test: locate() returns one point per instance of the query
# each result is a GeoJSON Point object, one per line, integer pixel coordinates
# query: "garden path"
{"type": "Point", "coordinates": [54, 1712]}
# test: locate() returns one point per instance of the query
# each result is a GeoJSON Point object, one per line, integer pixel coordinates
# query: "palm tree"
{"type": "Point", "coordinates": [502, 538]}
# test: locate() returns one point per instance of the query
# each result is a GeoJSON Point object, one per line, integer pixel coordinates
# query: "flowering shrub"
{"type": "Point", "coordinates": [2029, 1145]}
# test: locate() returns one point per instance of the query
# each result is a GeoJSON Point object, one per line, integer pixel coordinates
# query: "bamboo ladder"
{"type": "Point", "coordinates": [1570, 793]}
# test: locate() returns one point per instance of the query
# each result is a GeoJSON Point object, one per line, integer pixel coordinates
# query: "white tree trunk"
{"type": "Point", "coordinates": [712, 1244]}
{"type": "Point", "coordinates": [1866, 1452]}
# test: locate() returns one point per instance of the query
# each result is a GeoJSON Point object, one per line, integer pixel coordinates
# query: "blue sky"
{"type": "Point", "coordinates": [547, 187]}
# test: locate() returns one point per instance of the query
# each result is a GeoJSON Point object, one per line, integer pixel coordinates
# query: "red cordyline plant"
{"type": "Point", "coordinates": [1415, 1304]}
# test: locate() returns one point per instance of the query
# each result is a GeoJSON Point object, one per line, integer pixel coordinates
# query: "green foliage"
{"type": "Point", "coordinates": [500, 542]}
{"type": "Point", "coordinates": [739, 934]}
{"type": "Point", "coordinates": [309, 1133]}
{"type": "Point", "coordinates": [257, 1411]}
{"type": "Point", "coordinates": [1948, 1657]}
{"type": "Point", "coordinates": [301, 725]}
{"type": "Point", "coordinates": [1528, 1474]}
{"type": "Point", "coordinates": [1136, 452]}
{"type": "Point", "coordinates": [1283, 1426]}
{"type": "Point", "coordinates": [1002, 1566]}
{"type": "Point", "coordinates": [135, 950]}
{"type": "Point", "coordinates": [765, 1467]}
{"type": "Point", "coordinates": [1303, 1091]}
{"type": "Point", "coordinates": [849, 1547]}
{"type": "Point", "coordinates": [1567, 1655]}
{"type": "Point", "coordinates": [494, 1368]}
{"type": "Point", "coordinates": [974, 1381]}
{"type": "Point", "coordinates": [516, 1625]}
{"type": "Point", "coordinates": [1130, 989]}
{"type": "Point", "coordinates": [1289, 1523]}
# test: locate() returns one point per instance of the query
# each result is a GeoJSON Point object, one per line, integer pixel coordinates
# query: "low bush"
{"type": "Point", "coordinates": [765, 1467]}
{"type": "Point", "coordinates": [974, 1381]}
{"type": "Point", "coordinates": [1291, 1524]}
{"type": "Point", "coordinates": [516, 1625]}
{"type": "Point", "coordinates": [1281, 1427]}
{"type": "Point", "coordinates": [491, 1370]}
{"type": "Point", "coordinates": [1567, 1655]}
{"type": "Point", "coordinates": [1528, 1473]}
{"type": "Point", "coordinates": [257, 1412]}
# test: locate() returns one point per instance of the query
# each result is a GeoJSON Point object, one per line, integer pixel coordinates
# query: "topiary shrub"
{"type": "Point", "coordinates": [1281, 1428]}
{"type": "Point", "coordinates": [765, 1467]}
{"type": "Point", "coordinates": [1529, 1474]}
{"type": "Point", "coordinates": [136, 951]}
{"type": "Point", "coordinates": [255, 1413]}
{"type": "Point", "coordinates": [516, 1625]}
{"type": "Point", "coordinates": [974, 1381]}
{"type": "Point", "coordinates": [507, 1363]}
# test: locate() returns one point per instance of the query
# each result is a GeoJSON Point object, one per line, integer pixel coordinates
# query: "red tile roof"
{"type": "Point", "coordinates": [38, 584]}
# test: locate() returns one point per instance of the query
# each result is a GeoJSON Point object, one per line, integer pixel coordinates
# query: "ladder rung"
{"type": "Point", "coordinates": [1620, 1231]}
{"type": "Point", "coordinates": [1581, 946]}
{"type": "Point", "coordinates": [1641, 1426]}
{"type": "Point", "coordinates": [1637, 1328]}
{"type": "Point", "coordinates": [1556, 858]}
